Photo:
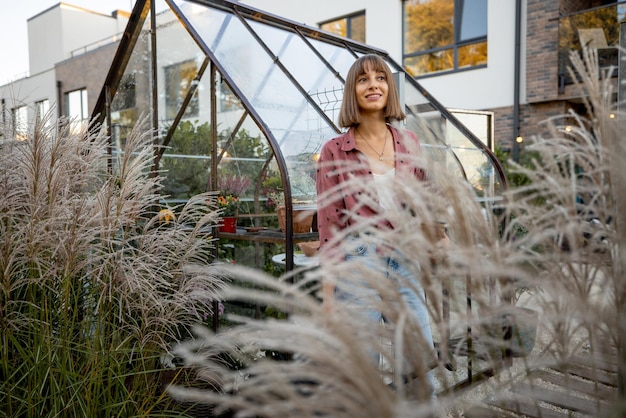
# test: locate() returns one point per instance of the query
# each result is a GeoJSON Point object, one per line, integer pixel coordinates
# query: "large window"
{"type": "Point", "coordinates": [179, 79]}
{"type": "Point", "coordinates": [77, 109]}
{"type": "Point", "coordinates": [352, 26]}
{"type": "Point", "coordinates": [444, 35]}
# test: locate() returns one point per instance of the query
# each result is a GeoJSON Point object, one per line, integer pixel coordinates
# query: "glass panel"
{"type": "Point", "coordinates": [302, 63]}
{"type": "Point", "coordinates": [479, 169]}
{"type": "Point", "coordinates": [480, 172]}
{"type": "Point", "coordinates": [179, 79]}
{"type": "Point", "coordinates": [598, 28]}
{"type": "Point", "coordinates": [187, 160]}
{"type": "Point", "coordinates": [160, 6]}
{"type": "Point", "coordinates": [126, 97]}
{"type": "Point", "coordinates": [416, 100]}
{"type": "Point", "coordinates": [339, 58]}
{"type": "Point", "coordinates": [357, 28]}
{"type": "Point", "coordinates": [245, 169]}
{"type": "Point", "coordinates": [479, 123]}
{"type": "Point", "coordinates": [431, 62]}
{"type": "Point", "coordinates": [473, 19]}
{"type": "Point", "coordinates": [209, 23]}
{"type": "Point", "coordinates": [133, 98]}
{"type": "Point", "coordinates": [297, 127]}
{"type": "Point", "coordinates": [445, 144]}
{"type": "Point", "coordinates": [428, 24]}
{"type": "Point", "coordinates": [179, 59]}
{"type": "Point", "coordinates": [473, 55]}
{"type": "Point", "coordinates": [338, 27]}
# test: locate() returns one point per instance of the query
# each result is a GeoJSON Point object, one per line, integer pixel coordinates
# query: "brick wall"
{"type": "Point", "coordinates": [542, 89]}
{"type": "Point", "coordinates": [541, 50]}
{"type": "Point", "coordinates": [533, 121]}
{"type": "Point", "coordinates": [87, 71]}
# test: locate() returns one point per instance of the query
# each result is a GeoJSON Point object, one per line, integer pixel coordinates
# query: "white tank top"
{"type": "Point", "coordinates": [384, 188]}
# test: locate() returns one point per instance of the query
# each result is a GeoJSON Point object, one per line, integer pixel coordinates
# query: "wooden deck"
{"type": "Point", "coordinates": [585, 386]}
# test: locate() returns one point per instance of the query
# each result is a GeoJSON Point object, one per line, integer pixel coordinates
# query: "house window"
{"type": "Point", "coordinates": [179, 79]}
{"type": "Point", "coordinates": [352, 26]}
{"type": "Point", "coordinates": [77, 109]}
{"type": "Point", "coordinates": [20, 123]}
{"type": "Point", "coordinates": [42, 107]}
{"type": "Point", "coordinates": [444, 35]}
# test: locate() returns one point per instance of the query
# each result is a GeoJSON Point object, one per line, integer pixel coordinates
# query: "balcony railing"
{"type": "Point", "coordinates": [596, 28]}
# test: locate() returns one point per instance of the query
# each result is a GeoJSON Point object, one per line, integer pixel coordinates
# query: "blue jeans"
{"type": "Point", "coordinates": [358, 294]}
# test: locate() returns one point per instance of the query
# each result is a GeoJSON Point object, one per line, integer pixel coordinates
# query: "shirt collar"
{"type": "Point", "coordinates": [349, 142]}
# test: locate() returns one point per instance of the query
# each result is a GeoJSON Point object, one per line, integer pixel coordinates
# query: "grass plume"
{"type": "Point", "coordinates": [94, 287]}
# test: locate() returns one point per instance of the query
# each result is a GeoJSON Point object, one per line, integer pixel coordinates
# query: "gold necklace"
{"type": "Point", "coordinates": [380, 154]}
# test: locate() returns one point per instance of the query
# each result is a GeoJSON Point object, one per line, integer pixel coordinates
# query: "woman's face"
{"type": "Point", "coordinates": [371, 91]}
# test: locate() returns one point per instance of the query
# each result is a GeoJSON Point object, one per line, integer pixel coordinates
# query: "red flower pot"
{"type": "Point", "coordinates": [229, 224]}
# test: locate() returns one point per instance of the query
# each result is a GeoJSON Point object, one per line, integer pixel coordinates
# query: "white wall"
{"type": "Point", "coordinates": [479, 89]}
{"type": "Point", "coordinates": [383, 19]}
{"type": "Point", "coordinates": [56, 32]}
{"type": "Point", "coordinates": [29, 90]}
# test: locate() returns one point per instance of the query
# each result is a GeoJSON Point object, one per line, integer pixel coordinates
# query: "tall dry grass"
{"type": "Point", "coordinates": [94, 285]}
{"type": "Point", "coordinates": [563, 247]}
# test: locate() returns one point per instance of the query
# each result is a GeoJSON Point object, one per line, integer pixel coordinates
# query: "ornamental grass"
{"type": "Point", "coordinates": [556, 245]}
{"type": "Point", "coordinates": [95, 286]}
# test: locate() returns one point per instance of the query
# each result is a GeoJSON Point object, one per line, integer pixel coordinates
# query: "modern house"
{"type": "Point", "coordinates": [70, 50]}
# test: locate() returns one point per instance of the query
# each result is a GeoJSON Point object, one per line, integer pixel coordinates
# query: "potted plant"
{"type": "Point", "coordinates": [303, 200]}
{"type": "Point", "coordinates": [228, 201]}
{"type": "Point", "coordinates": [229, 209]}
{"type": "Point", "coordinates": [302, 217]}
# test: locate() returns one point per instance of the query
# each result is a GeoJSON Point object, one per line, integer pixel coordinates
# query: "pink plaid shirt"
{"type": "Point", "coordinates": [339, 164]}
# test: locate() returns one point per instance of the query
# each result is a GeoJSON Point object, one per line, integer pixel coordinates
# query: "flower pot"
{"type": "Point", "coordinates": [302, 218]}
{"type": "Point", "coordinates": [228, 224]}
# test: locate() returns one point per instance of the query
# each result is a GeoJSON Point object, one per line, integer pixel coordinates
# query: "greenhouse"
{"type": "Point", "coordinates": [242, 102]}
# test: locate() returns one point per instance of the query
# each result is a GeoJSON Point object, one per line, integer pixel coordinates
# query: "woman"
{"type": "Point", "coordinates": [375, 154]}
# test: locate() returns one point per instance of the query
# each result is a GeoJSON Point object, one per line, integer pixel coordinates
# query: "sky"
{"type": "Point", "coordinates": [14, 33]}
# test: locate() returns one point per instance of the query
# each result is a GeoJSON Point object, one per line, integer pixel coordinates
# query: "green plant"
{"type": "Point", "coordinates": [94, 287]}
{"type": "Point", "coordinates": [228, 205]}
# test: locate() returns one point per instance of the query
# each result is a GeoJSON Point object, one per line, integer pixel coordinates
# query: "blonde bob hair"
{"type": "Point", "coordinates": [350, 113]}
